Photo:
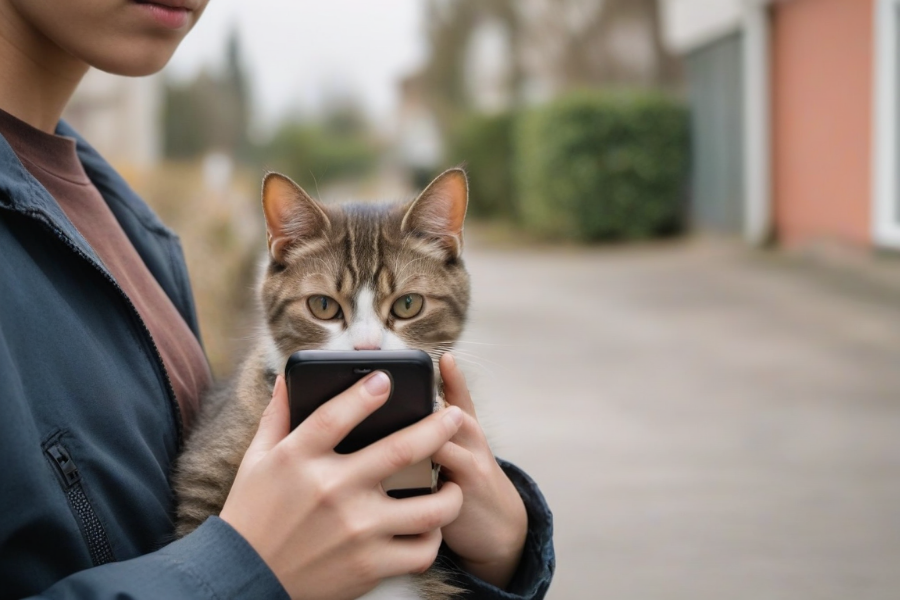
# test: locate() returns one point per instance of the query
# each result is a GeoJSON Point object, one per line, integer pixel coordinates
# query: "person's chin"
{"type": "Point", "coordinates": [137, 62]}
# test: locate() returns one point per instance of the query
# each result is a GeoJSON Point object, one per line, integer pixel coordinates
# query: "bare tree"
{"type": "Point", "coordinates": [556, 45]}
{"type": "Point", "coordinates": [578, 43]}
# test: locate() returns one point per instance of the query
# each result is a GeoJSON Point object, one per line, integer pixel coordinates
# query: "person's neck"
{"type": "Point", "coordinates": [37, 77]}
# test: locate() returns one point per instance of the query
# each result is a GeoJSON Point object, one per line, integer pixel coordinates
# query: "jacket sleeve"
{"type": "Point", "coordinates": [212, 562]}
{"type": "Point", "coordinates": [532, 578]}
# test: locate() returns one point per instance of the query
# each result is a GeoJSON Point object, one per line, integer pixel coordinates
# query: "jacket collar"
{"type": "Point", "coordinates": [115, 190]}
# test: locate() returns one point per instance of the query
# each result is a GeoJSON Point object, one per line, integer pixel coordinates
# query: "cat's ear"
{"type": "Point", "coordinates": [291, 215]}
{"type": "Point", "coordinates": [438, 213]}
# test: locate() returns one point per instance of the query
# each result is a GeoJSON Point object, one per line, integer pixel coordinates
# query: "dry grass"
{"type": "Point", "coordinates": [223, 236]}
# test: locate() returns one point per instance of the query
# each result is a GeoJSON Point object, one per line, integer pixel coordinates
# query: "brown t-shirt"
{"type": "Point", "coordinates": [53, 161]}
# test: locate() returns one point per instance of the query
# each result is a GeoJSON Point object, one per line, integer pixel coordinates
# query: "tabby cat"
{"type": "Point", "coordinates": [339, 277]}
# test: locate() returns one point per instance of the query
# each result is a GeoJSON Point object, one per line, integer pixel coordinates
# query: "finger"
{"type": "Point", "coordinates": [407, 446]}
{"type": "Point", "coordinates": [455, 460]}
{"type": "Point", "coordinates": [330, 423]}
{"type": "Point", "coordinates": [470, 435]}
{"type": "Point", "coordinates": [275, 422]}
{"type": "Point", "coordinates": [412, 554]}
{"type": "Point", "coordinates": [456, 392]}
{"type": "Point", "coordinates": [421, 514]}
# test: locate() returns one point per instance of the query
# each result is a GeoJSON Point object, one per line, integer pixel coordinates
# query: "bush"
{"type": "Point", "coordinates": [603, 166]}
{"type": "Point", "coordinates": [484, 144]}
{"type": "Point", "coordinates": [314, 154]}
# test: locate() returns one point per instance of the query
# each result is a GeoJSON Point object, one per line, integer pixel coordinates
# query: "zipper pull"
{"type": "Point", "coordinates": [65, 466]}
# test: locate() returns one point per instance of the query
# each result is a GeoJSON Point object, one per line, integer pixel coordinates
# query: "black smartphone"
{"type": "Point", "coordinates": [315, 376]}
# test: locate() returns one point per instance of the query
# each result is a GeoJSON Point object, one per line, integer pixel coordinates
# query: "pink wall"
{"type": "Point", "coordinates": [822, 62]}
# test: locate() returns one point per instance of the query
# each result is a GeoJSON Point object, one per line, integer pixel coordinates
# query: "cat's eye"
{"type": "Point", "coordinates": [323, 307]}
{"type": "Point", "coordinates": [408, 306]}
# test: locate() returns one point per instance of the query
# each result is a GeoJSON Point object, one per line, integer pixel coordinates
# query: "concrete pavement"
{"type": "Point", "coordinates": [706, 422]}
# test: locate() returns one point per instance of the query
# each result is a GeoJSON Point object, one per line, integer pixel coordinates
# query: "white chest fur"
{"type": "Point", "coordinates": [394, 588]}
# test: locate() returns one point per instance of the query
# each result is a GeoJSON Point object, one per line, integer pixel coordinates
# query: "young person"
{"type": "Point", "coordinates": [101, 373]}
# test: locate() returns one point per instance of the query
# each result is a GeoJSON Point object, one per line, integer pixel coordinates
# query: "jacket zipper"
{"type": "Point", "coordinates": [91, 527]}
{"type": "Point", "coordinates": [170, 392]}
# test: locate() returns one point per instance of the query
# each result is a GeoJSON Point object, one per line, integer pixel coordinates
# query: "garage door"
{"type": "Point", "coordinates": [716, 97]}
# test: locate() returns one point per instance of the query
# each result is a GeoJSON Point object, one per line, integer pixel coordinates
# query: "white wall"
{"type": "Point", "coordinates": [119, 116]}
{"type": "Point", "coordinates": [688, 24]}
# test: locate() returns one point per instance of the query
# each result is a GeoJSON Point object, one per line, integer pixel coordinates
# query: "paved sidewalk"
{"type": "Point", "coordinates": [706, 422]}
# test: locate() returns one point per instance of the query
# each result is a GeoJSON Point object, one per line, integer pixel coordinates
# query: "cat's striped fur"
{"type": "Point", "coordinates": [365, 257]}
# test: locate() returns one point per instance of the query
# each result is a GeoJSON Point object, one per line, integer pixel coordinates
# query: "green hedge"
{"type": "Point", "coordinates": [314, 154]}
{"type": "Point", "coordinates": [603, 166]}
{"type": "Point", "coordinates": [484, 144]}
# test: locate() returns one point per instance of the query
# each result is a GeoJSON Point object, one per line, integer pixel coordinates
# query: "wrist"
{"type": "Point", "coordinates": [499, 565]}
{"type": "Point", "coordinates": [498, 572]}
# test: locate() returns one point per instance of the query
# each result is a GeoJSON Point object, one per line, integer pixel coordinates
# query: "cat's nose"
{"type": "Point", "coordinates": [367, 346]}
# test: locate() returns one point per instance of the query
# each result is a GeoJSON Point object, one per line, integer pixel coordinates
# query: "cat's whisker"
{"type": "Point", "coordinates": [448, 347]}
{"type": "Point", "coordinates": [465, 341]}
{"type": "Point", "coordinates": [479, 360]}
{"type": "Point", "coordinates": [465, 357]}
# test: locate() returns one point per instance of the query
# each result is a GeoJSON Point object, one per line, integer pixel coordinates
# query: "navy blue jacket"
{"type": "Point", "coordinates": [89, 426]}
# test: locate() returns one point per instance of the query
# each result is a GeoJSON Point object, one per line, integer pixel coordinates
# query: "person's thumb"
{"type": "Point", "coordinates": [275, 423]}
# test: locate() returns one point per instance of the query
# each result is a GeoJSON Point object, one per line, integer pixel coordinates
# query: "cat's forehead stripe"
{"type": "Point", "coordinates": [349, 259]}
{"type": "Point", "coordinates": [365, 246]}
{"type": "Point", "coordinates": [376, 251]}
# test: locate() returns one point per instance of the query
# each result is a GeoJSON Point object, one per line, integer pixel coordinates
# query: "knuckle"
{"type": "Point", "coordinates": [430, 519]}
{"type": "Point", "coordinates": [464, 456]}
{"type": "Point", "coordinates": [428, 555]}
{"type": "Point", "coordinates": [454, 499]}
{"type": "Point", "coordinates": [281, 457]}
{"type": "Point", "coordinates": [325, 419]}
{"type": "Point", "coordinates": [325, 487]}
{"type": "Point", "coordinates": [399, 454]}
{"type": "Point", "coordinates": [357, 527]}
{"type": "Point", "coordinates": [422, 565]}
{"type": "Point", "coordinates": [484, 468]}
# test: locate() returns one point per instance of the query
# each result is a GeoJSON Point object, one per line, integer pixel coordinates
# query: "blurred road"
{"type": "Point", "coordinates": [706, 422]}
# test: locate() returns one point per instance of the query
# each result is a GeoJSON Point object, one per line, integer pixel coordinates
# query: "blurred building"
{"type": "Point", "coordinates": [795, 117]}
{"type": "Point", "coordinates": [492, 56]}
{"type": "Point", "coordinates": [119, 116]}
{"type": "Point", "coordinates": [418, 136]}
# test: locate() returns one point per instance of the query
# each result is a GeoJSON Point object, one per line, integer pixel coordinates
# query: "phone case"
{"type": "Point", "coordinates": [315, 376]}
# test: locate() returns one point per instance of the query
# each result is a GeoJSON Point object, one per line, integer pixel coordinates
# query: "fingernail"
{"type": "Point", "coordinates": [454, 415]}
{"type": "Point", "coordinates": [378, 383]}
{"type": "Point", "coordinates": [451, 360]}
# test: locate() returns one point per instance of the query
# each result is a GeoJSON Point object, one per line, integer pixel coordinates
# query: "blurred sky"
{"type": "Point", "coordinates": [300, 53]}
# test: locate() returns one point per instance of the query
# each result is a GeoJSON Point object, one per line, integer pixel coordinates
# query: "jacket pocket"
{"type": "Point", "coordinates": [70, 479]}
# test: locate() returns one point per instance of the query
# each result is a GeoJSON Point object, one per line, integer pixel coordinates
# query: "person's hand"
{"type": "Point", "coordinates": [489, 534]}
{"type": "Point", "coordinates": [320, 519]}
